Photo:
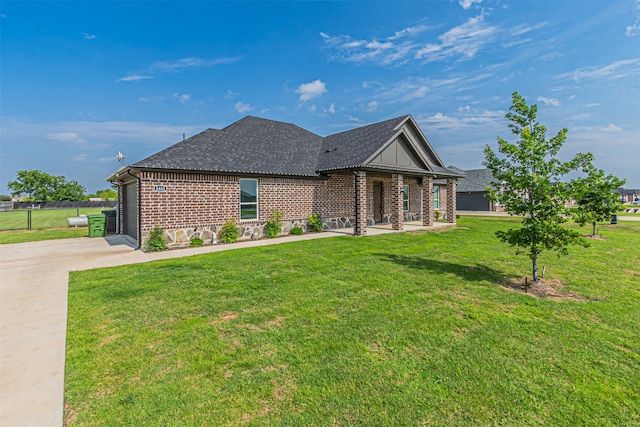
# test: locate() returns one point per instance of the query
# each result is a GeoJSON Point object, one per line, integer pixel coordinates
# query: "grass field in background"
{"type": "Point", "coordinates": [42, 218]}
{"type": "Point", "coordinates": [397, 329]}
{"type": "Point", "coordinates": [24, 236]}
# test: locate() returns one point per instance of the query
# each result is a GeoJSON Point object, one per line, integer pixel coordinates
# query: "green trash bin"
{"type": "Point", "coordinates": [97, 224]}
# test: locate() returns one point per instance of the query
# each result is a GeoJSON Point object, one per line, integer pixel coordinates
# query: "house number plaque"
{"type": "Point", "coordinates": [159, 188]}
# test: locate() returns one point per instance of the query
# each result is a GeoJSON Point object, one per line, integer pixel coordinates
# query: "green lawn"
{"type": "Point", "coordinates": [42, 218]}
{"type": "Point", "coordinates": [47, 224]}
{"type": "Point", "coordinates": [398, 329]}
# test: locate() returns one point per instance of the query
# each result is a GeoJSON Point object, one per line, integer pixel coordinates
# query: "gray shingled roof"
{"type": "Point", "coordinates": [251, 145]}
{"type": "Point", "coordinates": [259, 146]}
{"type": "Point", "coordinates": [474, 180]}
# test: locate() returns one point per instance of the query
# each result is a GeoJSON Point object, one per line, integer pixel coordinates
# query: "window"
{"type": "Point", "coordinates": [248, 199]}
{"type": "Point", "coordinates": [436, 197]}
{"type": "Point", "coordinates": [405, 198]}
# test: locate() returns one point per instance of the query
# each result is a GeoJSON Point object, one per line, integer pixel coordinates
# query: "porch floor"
{"type": "Point", "coordinates": [381, 228]}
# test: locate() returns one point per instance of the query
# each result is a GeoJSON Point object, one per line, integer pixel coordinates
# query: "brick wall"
{"type": "Point", "coordinates": [192, 200]}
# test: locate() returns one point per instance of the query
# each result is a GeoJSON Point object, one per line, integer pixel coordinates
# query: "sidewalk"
{"type": "Point", "coordinates": [33, 311]}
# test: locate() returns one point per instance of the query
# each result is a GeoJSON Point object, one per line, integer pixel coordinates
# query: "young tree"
{"type": "Point", "coordinates": [595, 197]}
{"type": "Point", "coordinates": [527, 183]}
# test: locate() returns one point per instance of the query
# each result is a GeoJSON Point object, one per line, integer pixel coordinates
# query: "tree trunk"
{"type": "Point", "coordinates": [594, 228]}
{"type": "Point", "coordinates": [534, 265]}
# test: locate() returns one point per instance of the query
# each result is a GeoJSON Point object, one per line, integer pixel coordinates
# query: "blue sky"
{"type": "Point", "coordinates": [81, 81]}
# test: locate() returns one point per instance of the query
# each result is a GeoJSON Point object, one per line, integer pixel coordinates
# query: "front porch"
{"type": "Point", "coordinates": [393, 201]}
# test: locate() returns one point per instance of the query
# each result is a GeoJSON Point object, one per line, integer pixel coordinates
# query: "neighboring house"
{"type": "Point", "coordinates": [472, 190]}
{"type": "Point", "coordinates": [628, 195]}
{"type": "Point", "coordinates": [380, 173]}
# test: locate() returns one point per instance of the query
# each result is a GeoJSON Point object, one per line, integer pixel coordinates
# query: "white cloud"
{"type": "Point", "coordinates": [134, 77]}
{"type": "Point", "coordinates": [466, 4]}
{"type": "Point", "coordinates": [611, 128]}
{"type": "Point", "coordinates": [331, 109]}
{"type": "Point", "coordinates": [72, 137]}
{"type": "Point", "coordinates": [372, 106]}
{"type": "Point", "coordinates": [464, 40]}
{"type": "Point", "coordinates": [420, 92]}
{"type": "Point", "coordinates": [311, 90]}
{"type": "Point", "coordinates": [591, 104]}
{"type": "Point", "coordinates": [634, 29]}
{"type": "Point", "coordinates": [184, 97]}
{"type": "Point", "coordinates": [242, 108]}
{"type": "Point", "coordinates": [616, 70]}
{"type": "Point", "coordinates": [79, 157]}
{"type": "Point", "coordinates": [87, 36]}
{"type": "Point", "coordinates": [391, 50]}
{"type": "Point", "coordinates": [355, 119]}
{"type": "Point", "coordinates": [549, 101]}
{"type": "Point", "coordinates": [191, 62]}
{"type": "Point", "coordinates": [488, 121]}
{"type": "Point", "coordinates": [230, 94]}
{"type": "Point", "coordinates": [163, 67]}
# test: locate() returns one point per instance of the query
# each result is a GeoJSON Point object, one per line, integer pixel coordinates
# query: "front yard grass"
{"type": "Point", "coordinates": [398, 329]}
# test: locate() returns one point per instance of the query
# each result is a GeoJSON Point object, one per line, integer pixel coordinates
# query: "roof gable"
{"type": "Point", "coordinates": [398, 153]}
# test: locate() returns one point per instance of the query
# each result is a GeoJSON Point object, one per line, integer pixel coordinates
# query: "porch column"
{"type": "Point", "coordinates": [360, 217]}
{"type": "Point", "coordinates": [397, 213]}
{"type": "Point", "coordinates": [451, 200]}
{"type": "Point", "coordinates": [427, 201]}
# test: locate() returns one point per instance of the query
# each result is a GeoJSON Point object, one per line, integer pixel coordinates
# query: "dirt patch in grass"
{"type": "Point", "coordinates": [544, 288]}
{"type": "Point", "coordinates": [594, 237]}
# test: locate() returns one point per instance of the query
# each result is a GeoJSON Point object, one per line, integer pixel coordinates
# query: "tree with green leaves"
{"type": "Point", "coordinates": [528, 183]}
{"type": "Point", "coordinates": [595, 197]}
{"type": "Point", "coordinates": [39, 186]}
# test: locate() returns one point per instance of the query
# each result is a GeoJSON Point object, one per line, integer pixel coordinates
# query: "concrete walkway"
{"type": "Point", "coordinates": [33, 312]}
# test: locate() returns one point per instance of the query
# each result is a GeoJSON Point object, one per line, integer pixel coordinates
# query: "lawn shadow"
{"type": "Point", "coordinates": [471, 273]}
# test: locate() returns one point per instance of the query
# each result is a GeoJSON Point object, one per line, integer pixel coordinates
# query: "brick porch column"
{"type": "Point", "coordinates": [360, 204]}
{"type": "Point", "coordinates": [451, 200]}
{"type": "Point", "coordinates": [397, 213]}
{"type": "Point", "coordinates": [427, 201]}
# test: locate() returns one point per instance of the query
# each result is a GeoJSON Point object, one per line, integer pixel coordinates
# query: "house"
{"type": "Point", "coordinates": [472, 190]}
{"type": "Point", "coordinates": [628, 195]}
{"type": "Point", "coordinates": [380, 173]}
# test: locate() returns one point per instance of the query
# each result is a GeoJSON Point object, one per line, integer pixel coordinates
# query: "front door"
{"type": "Point", "coordinates": [377, 201]}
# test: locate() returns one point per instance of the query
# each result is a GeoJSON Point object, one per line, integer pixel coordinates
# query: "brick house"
{"type": "Point", "coordinates": [380, 173]}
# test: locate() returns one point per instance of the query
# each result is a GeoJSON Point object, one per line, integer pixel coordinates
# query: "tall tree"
{"type": "Point", "coordinates": [41, 187]}
{"type": "Point", "coordinates": [527, 182]}
{"type": "Point", "coordinates": [595, 197]}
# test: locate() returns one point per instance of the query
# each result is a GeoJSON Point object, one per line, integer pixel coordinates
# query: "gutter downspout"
{"type": "Point", "coordinates": [139, 208]}
{"type": "Point", "coordinates": [356, 224]}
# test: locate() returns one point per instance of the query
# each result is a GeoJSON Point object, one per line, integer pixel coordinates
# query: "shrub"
{"type": "Point", "coordinates": [196, 242]}
{"type": "Point", "coordinates": [437, 213]}
{"type": "Point", "coordinates": [296, 230]}
{"type": "Point", "coordinates": [156, 241]}
{"type": "Point", "coordinates": [315, 223]}
{"type": "Point", "coordinates": [229, 232]}
{"type": "Point", "coordinates": [273, 226]}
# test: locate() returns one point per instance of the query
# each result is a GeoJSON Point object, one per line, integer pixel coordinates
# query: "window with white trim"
{"type": "Point", "coordinates": [436, 197]}
{"type": "Point", "coordinates": [248, 199]}
{"type": "Point", "coordinates": [405, 198]}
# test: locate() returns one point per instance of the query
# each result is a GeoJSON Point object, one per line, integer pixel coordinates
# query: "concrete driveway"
{"type": "Point", "coordinates": [33, 312]}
